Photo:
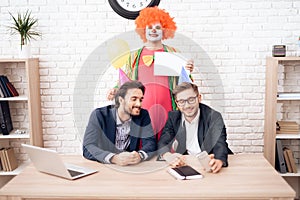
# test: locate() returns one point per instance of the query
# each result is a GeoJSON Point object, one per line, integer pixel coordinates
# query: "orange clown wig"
{"type": "Point", "coordinates": [152, 15]}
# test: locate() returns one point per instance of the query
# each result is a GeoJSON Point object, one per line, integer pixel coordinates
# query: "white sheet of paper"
{"type": "Point", "coordinates": [168, 64]}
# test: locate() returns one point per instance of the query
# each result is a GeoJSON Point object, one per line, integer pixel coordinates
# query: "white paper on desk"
{"type": "Point", "coordinates": [169, 64]}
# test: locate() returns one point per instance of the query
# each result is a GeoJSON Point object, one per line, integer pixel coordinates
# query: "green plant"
{"type": "Point", "coordinates": [25, 25]}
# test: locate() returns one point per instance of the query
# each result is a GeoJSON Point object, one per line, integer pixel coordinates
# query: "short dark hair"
{"type": "Point", "coordinates": [184, 86]}
{"type": "Point", "coordinates": [125, 87]}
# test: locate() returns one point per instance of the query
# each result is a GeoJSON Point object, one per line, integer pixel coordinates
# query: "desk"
{"type": "Point", "coordinates": [249, 176]}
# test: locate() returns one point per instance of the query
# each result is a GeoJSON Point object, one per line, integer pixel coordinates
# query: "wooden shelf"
{"type": "Point", "coordinates": [15, 172]}
{"type": "Point", "coordinates": [13, 135]}
{"type": "Point", "coordinates": [289, 58]}
{"type": "Point", "coordinates": [288, 96]}
{"type": "Point", "coordinates": [271, 100]}
{"type": "Point", "coordinates": [292, 174]}
{"type": "Point", "coordinates": [16, 60]}
{"type": "Point", "coordinates": [288, 99]}
{"type": "Point", "coordinates": [271, 105]}
{"type": "Point", "coordinates": [32, 99]}
{"type": "Point", "coordinates": [288, 136]}
{"type": "Point", "coordinates": [18, 98]}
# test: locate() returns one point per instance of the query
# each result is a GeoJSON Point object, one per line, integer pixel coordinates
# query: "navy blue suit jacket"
{"type": "Point", "coordinates": [211, 133]}
{"type": "Point", "coordinates": [100, 134]}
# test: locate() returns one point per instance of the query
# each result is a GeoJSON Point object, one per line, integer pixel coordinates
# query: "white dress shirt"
{"type": "Point", "coordinates": [191, 129]}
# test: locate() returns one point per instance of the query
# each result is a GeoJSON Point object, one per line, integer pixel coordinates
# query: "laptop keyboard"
{"type": "Point", "coordinates": [74, 173]}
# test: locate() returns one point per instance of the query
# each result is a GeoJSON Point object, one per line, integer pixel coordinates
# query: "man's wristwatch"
{"type": "Point", "coordinates": [141, 155]}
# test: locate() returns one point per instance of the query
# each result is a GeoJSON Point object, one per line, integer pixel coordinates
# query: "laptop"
{"type": "Point", "coordinates": [49, 161]}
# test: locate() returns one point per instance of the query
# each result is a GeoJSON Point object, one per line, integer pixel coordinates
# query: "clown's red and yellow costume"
{"type": "Point", "coordinates": [158, 98]}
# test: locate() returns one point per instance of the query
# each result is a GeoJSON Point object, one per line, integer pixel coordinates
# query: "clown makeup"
{"type": "Point", "coordinates": [154, 32]}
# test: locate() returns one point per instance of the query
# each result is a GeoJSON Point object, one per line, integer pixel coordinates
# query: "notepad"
{"type": "Point", "coordinates": [169, 64]}
{"type": "Point", "coordinates": [185, 173]}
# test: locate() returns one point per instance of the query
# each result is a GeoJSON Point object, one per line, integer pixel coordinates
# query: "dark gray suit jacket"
{"type": "Point", "coordinates": [211, 134]}
{"type": "Point", "coordinates": [100, 134]}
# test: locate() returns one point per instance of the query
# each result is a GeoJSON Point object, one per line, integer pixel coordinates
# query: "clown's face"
{"type": "Point", "coordinates": [154, 32]}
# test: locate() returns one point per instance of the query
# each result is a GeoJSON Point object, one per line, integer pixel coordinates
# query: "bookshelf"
{"type": "Point", "coordinates": [26, 108]}
{"type": "Point", "coordinates": [282, 96]}
{"type": "Point", "coordinates": [271, 100]}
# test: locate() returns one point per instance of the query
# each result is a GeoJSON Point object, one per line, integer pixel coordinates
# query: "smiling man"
{"type": "Point", "coordinates": [114, 133]}
{"type": "Point", "coordinates": [194, 128]}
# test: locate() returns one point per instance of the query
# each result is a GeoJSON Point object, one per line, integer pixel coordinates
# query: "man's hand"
{"type": "Point", "coordinates": [134, 158]}
{"type": "Point", "coordinates": [190, 65]}
{"type": "Point", "coordinates": [174, 159]}
{"type": "Point", "coordinates": [111, 94]}
{"type": "Point", "coordinates": [215, 164]}
{"type": "Point", "coordinates": [126, 158]}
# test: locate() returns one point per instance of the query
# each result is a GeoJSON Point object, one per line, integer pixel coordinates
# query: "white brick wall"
{"type": "Point", "coordinates": [233, 39]}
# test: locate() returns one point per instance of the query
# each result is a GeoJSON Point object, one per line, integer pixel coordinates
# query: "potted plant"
{"type": "Point", "coordinates": [25, 26]}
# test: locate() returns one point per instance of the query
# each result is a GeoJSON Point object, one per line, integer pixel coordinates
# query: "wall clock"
{"type": "Point", "coordinates": [130, 9]}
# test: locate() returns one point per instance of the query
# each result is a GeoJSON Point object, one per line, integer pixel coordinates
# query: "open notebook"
{"type": "Point", "coordinates": [49, 161]}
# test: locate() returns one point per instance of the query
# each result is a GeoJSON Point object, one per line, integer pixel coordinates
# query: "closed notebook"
{"type": "Point", "coordinates": [12, 89]}
{"type": "Point", "coordinates": [12, 161]}
{"type": "Point", "coordinates": [292, 160]}
{"type": "Point", "coordinates": [3, 159]}
{"type": "Point", "coordinates": [3, 80]}
{"type": "Point", "coordinates": [185, 173]}
{"type": "Point", "coordinates": [287, 160]}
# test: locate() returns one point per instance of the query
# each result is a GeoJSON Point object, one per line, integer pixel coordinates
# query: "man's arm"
{"type": "Point", "coordinates": [167, 137]}
{"type": "Point", "coordinates": [92, 141]}
{"type": "Point", "coordinates": [215, 139]}
{"type": "Point", "coordinates": [149, 145]}
{"type": "Point", "coordinates": [167, 142]}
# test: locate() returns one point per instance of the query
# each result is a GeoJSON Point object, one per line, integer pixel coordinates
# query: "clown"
{"type": "Point", "coordinates": [154, 25]}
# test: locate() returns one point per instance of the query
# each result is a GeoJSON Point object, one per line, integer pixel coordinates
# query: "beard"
{"type": "Point", "coordinates": [134, 110]}
{"type": "Point", "coordinates": [190, 112]}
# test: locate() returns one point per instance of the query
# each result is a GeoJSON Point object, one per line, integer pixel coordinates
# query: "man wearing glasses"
{"type": "Point", "coordinates": [194, 128]}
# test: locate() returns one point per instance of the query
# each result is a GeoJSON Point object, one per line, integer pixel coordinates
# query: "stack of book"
{"type": "Point", "coordinates": [287, 127]}
{"type": "Point", "coordinates": [8, 159]}
{"type": "Point", "coordinates": [7, 89]}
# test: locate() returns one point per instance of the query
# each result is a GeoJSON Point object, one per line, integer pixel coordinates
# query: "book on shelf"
{"type": "Point", "coordinates": [5, 118]}
{"type": "Point", "coordinates": [3, 159]}
{"type": "Point", "coordinates": [1, 93]}
{"type": "Point", "coordinates": [287, 160]}
{"type": "Point", "coordinates": [8, 159]}
{"type": "Point", "coordinates": [280, 164]}
{"type": "Point", "coordinates": [287, 127]}
{"type": "Point", "coordinates": [292, 160]}
{"type": "Point", "coordinates": [7, 88]}
{"type": "Point", "coordinates": [12, 89]}
{"type": "Point", "coordinates": [11, 158]}
{"type": "Point", "coordinates": [3, 90]}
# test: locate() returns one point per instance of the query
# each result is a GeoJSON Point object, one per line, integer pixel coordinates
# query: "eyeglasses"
{"type": "Point", "coordinates": [190, 100]}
